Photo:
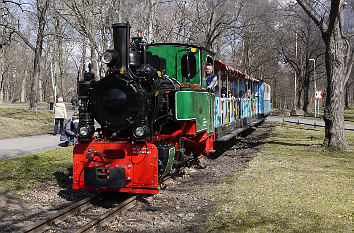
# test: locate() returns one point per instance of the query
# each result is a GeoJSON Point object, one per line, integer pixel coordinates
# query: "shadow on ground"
{"type": "Point", "coordinates": [64, 181]}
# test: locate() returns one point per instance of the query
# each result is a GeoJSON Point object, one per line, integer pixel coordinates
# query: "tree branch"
{"type": "Point", "coordinates": [333, 16]}
{"type": "Point", "coordinates": [314, 15]}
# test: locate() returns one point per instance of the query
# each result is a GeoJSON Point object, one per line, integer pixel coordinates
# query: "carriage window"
{"type": "Point", "coordinates": [188, 66]}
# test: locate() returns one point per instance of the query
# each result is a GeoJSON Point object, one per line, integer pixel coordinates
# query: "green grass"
{"type": "Point", "coordinates": [32, 171]}
{"type": "Point", "coordinates": [20, 121]}
{"type": "Point", "coordinates": [348, 114]}
{"type": "Point", "coordinates": [293, 185]}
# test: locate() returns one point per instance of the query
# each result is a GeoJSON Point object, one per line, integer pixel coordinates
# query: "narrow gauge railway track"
{"type": "Point", "coordinates": [84, 210]}
{"type": "Point", "coordinates": [60, 221]}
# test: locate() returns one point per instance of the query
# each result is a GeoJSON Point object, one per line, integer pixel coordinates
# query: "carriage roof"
{"type": "Point", "coordinates": [231, 73]}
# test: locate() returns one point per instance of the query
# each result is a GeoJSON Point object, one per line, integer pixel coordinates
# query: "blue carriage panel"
{"type": "Point", "coordinates": [256, 106]}
{"type": "Point", "coordinates": [216, 112]}
{"type": "Point", "coordinates": [251, 107]}
{"type": "Point", "coordinates": [238, 108]}
{"type": "Point", "coordinates": [244, 108]}
{"type": "Point", "coordinates": [224, 111]}
{"type": "Point", "coordinates": [247, 109]}
{"type": "Point", "coordinates": [256, 89]}
{"type": "Point", "coordinates": [261, 98]}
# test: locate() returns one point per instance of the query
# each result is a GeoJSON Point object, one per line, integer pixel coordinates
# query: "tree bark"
{"type": "Point", "coordinates": [83, 55]}
{"type": "Point", "coordinates": [346, 100]}
{"type": "Point", "coordinates": [306, 96]}
{"type": "Point", "coordinates": [1, 76]}
{"type": "Point", "coordinates": [336, 61]}
{"type": "Point", "coordinates": [58, 56]}
{"type": "Point", "coordinates": [23, 85]}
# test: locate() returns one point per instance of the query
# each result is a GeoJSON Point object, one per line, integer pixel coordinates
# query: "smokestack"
{"type": "Point", "coordinates": [121, 38]}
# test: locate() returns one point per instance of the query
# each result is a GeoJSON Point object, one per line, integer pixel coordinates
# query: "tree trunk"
{"type": "Point", "coordinates": [299, 92]}
{"type": "Point", "coordinates": [35, 81]}
{"type": "Point", "coordinates": [1, 76]}
{"type": "Point", "coordinates": [336, 59]}
{"type": "Point", "coordinates": [307, 72]}
{"type": "Point", "coordinates": [306, 95]}
{"type": "Point", "coordinates": [40, 87]}
{"type": "Point", "coordinates": [83, 55]}
{"type": "Point", "coordinates": [346, 100]}
{"type": "Point", "coordinates": [42, 9]}
{"type": "Point", "coordinates": [93, 61]}
{"type": "Point", "coordinates": [23, 86]}
{"type": "Point", "coordinates": [150, 34]}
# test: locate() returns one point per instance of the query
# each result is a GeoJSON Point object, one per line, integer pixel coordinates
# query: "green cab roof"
{"type": "Point", "coordinates": [182, 45]}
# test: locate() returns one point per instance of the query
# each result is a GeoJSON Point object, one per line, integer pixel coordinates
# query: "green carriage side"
{"type": "Point", "coordinates": [186, 64]}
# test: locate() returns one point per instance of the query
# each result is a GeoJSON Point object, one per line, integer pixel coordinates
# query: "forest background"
{"type": "Point", "coordinates": [46, 45]}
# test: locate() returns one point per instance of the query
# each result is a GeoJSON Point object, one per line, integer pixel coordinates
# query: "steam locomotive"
{"type": "Point", "coordinates": [151, 111]}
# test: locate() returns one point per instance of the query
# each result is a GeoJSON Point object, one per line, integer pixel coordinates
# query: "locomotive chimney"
{"type": "Point", "coordinates": [121, 38]}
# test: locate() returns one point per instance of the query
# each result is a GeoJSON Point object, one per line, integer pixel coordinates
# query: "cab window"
{"type": "Point", "coordinates": [188, 66]}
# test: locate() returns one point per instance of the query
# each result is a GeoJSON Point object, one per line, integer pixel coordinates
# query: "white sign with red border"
{"type": "Point", "coordinates": [318, 94]}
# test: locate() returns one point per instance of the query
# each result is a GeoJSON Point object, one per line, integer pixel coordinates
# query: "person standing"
{"type": "Point", "coordinates": [73, 103]}
{"type": "Point", "coordinates": [59, 115]}
{"type": "Point", "coordinates": [51, 102]}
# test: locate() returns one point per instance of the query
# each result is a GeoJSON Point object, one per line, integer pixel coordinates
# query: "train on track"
{"type": "Point", "coordinates": [151, 112]}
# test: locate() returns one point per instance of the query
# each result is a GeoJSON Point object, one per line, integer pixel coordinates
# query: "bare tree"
{"type": "Point", "coordinates": [339, 62]}
{"type": "Point", "coordinates": [298, 41]}
{"type": "Point", "coordinates": [42, 7]}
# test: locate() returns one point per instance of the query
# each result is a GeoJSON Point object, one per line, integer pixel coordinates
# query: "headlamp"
{"type": "Point", "coordinates": [140, 131]}
{"type": "Point", "coordinates": [84, 131]}
{"type": "Point", "coordinates": [109, 57]}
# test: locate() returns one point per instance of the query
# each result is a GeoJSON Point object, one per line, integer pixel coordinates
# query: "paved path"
{"type": "Point", "coordinates": [15, 147]}
{"type": "Point", "coordinates": [304, 121]}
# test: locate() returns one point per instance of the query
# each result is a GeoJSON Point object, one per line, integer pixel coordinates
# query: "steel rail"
{"type": "Point", "coordinates": [109, 215]}
{"type": "Point", "coordinates": [60, 215]}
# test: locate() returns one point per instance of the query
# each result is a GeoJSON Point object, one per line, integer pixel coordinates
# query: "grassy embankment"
{"type": "Point", "coordinates": [20, 121]}
{"type": "Point", "coordinates": [292, 185]}
{"type": "Point", "coordinates": [33, 171]}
